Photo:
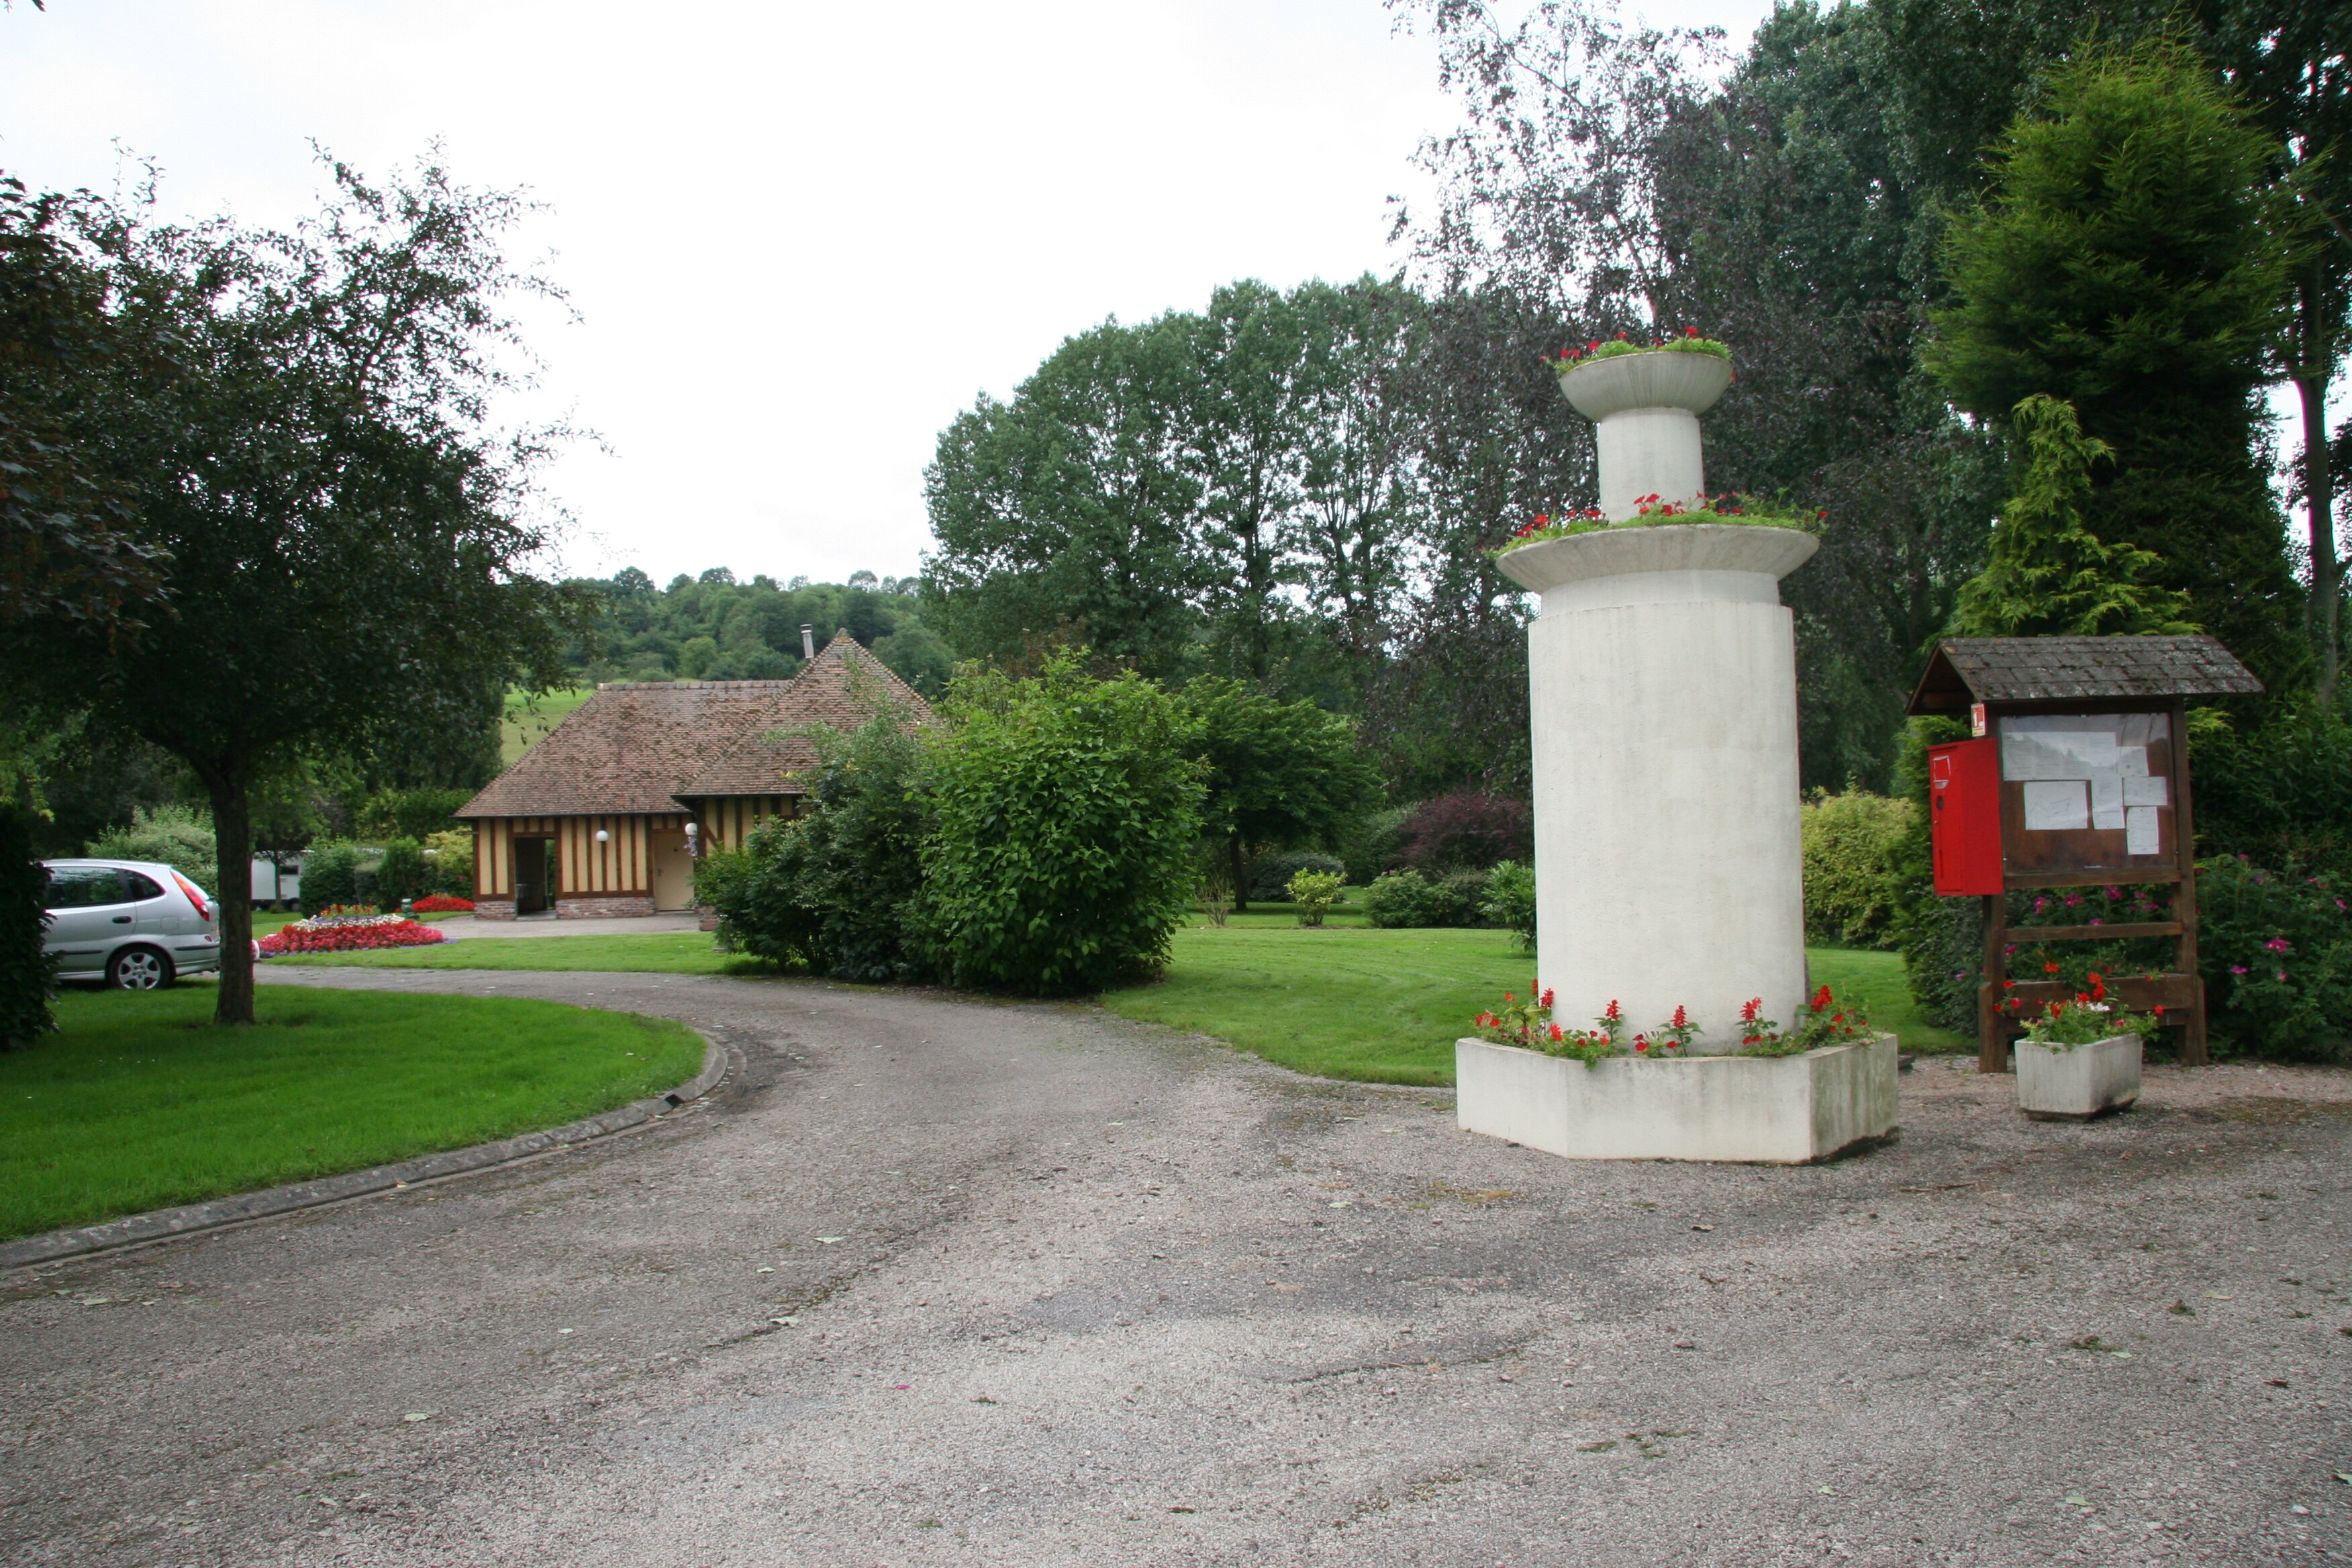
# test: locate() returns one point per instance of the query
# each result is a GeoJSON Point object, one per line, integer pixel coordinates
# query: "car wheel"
{"type": "Point", "coordinates": [139, 969]}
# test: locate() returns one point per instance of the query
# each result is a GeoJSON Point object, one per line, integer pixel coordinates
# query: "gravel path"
{"type": "Point", "coordinates": [938, 1281]}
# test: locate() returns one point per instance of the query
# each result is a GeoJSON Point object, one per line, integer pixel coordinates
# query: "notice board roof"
{"type": "Point", "coordinates": [2066, 669]}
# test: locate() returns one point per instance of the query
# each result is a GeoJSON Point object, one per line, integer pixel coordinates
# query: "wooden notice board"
{"type": "Point", "coordinates": [2094, 791]}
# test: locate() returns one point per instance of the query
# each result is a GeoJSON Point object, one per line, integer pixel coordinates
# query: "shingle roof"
{"type": "Point", "coordinates": [2063, 669]}
{"type": "Point", "coordinates": [842, 687]}
{"type": "Point", "coordinates": [637, 747]}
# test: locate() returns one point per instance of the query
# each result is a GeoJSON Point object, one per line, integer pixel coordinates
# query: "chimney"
{"type": "Point", "coordinates": [808, 640]}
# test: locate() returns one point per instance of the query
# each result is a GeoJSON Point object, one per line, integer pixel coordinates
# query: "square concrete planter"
{"type": "Point", "coordinates": [1782, 1110]}
{"type": "Point", "coordinates": [2073, 1083]}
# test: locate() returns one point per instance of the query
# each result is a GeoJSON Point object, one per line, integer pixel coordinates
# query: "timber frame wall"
{"type": "Point", "coordinates": [579, 867]}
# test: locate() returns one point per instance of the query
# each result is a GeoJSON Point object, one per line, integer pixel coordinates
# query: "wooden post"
{"type": "Point", "coordinates": [1992, 1042]}
{"type": "Point", "coordinates": [2193, 1052]}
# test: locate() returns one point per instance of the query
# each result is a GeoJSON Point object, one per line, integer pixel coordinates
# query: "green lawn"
{"type": "Point", "coordinates": [1386, 1006]}
{"type": "Point", "coordinates": [665, 952]}
{"type": "Point", "coordinates": [1348, 1002]}
{"type": "Point", "coordinates": [139, 1101]}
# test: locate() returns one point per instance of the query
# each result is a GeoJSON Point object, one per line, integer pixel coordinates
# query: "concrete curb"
{"type": "Point", "coordinates": [158, 1224]}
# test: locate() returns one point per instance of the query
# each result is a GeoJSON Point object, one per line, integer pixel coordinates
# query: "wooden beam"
{"type": "Point", "coordinates": [2093, 932]}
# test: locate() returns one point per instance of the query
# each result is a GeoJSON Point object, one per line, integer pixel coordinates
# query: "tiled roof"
{"type": "Point", "coordinates": [2063, 669]}
{"type": "Point", "coordinates": [842, 688]}
{"type": "Point", "coordinates": [637, 747]}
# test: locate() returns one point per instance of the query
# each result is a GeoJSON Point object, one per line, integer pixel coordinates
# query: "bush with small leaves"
{"type": "Point", "coordinates": [1510, 901]}
{"type": "Point", "coordinates": [1313, 892]}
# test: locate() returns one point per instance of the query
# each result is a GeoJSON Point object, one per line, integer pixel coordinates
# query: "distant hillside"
{"type": "Point", "coordinates": [527, 719]}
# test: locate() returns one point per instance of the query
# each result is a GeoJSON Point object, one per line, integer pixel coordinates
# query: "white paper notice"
{"type": "Point", "coordinates": [2146, 791]}
{"type": "Point", "coordinates": [2057, 805]}
{"type": "Point", "coordinates": [2107, 800]}
{"type": "Point", "coordinates": [2140, 835]}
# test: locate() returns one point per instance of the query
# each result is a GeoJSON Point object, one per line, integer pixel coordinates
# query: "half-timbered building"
{"type": "Point", "coordinates": [594, 819]}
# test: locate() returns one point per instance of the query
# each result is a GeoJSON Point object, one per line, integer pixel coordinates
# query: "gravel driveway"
{"type": "Point", "coordinates": [937, 1281]}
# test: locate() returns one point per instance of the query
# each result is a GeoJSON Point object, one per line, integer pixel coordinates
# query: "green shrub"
{"type": "Point", "coordinates": [1407, 899]}
{"type": "Point", "coordinates": [402, 873]}
{"type": "Point", "coordinates": [1510, 901]}
{"type": "Point", "coordinates": [1850, 889]}
{"type": "Point", "coordinates": [331, 875]}
{"type": "Point", "coordinates": [180, 836]}
{"type": "Point", "coordinates": [449, 863]}
{"type": "Point", "coordinates": [1371, 843]}
{"type": "Point", "coordinates": [1468, 889]}
{"type": "Point", "coordinates": [832, 891]}
{"type": "Point", "coordinates": [1067, 810]}
{"type": "Point", "coordinates": [2276, 951]}
{"type": "Point", "coordinates": [2280, 793]}
{"type": "Point", "coordinates": [1941, 939]}
{"type": "Point", "coordinates": [29, 977]}
{"type": "Point", "coordinates": [1269, 876]}
{"type": "Point", "coordinates": [1313, 892]}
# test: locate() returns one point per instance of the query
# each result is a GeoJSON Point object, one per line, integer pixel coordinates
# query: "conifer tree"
{"type": "Point", "coordinates": [2047, 574]}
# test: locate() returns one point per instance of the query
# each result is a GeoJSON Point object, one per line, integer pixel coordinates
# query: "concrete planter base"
{"type": "Point", "coordinates": [2075, 1083]}
{"type": "Point", "coordinates": [1781, 1110]}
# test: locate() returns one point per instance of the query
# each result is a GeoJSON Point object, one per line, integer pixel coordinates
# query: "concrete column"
{"type": "Point", "coordinates": [1663, 695]}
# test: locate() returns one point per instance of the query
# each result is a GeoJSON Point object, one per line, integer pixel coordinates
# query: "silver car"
{"type": "Point", "coordinates": [131, 924]}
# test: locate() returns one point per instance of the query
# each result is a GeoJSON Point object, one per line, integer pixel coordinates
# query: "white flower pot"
{"type": "Point", "coordinates": [2073, 1083]}
{"type": "Point", "coordinates": [1664, 378]}
{"type": "Point", "coordinates": [1784, 1110]}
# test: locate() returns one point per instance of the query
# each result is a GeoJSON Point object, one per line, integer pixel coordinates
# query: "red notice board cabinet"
{"type": "Point", "coordinates": [1964, 804]}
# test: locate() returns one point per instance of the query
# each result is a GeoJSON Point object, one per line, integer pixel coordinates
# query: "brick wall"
{"type": "Point", "coordinates": [494, 908]}
{"type": "Point", "coordinates": [598, 907]}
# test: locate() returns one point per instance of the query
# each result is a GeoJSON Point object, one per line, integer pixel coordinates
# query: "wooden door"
{"type": "Point", "coordinates": [533, 876]}
{"type": "Point", "coordinates": [673, 869]}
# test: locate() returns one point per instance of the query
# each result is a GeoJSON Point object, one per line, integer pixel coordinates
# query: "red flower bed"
{"type": "Point", "coordinates": [348, 937]}
{"type": "Point", "coordinates": [442, 904]}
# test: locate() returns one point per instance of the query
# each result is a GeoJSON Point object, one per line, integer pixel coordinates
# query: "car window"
{"type": "Point", "coordinates": [102, 885]}
{"type": "Point", "coordinates": [138, 888]}
{"type": "Point", "coordinates": [69, 887]}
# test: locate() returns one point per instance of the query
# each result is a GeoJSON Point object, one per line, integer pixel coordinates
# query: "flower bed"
{"type": "Point", "coordinates": [1730, 507]}
{"type": "Point", "coordinates": [347, 934]}
{"type": "Point", "coordinates": [1530, 1026]}
{"type": "Point", "coordinates": [1610, 348]}
{"type": "Point", "coordinates": [442, 904]}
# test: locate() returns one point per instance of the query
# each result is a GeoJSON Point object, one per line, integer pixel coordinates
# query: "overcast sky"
{"type": "Point", "coordinates": [800, 237]}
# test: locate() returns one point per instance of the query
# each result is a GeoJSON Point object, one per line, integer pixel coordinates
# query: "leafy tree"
{"type": "Point", "coordinates": [1070, 509]}
{"type": "Point", "coordinates": [68, 549]}
{"type": "Point", "coordinates": [28, 974]}
{"type": "Point", "coordinates": [2292, 60]}
{"type": "Point", "coordinates": [2132, 259]}
{"type": "Point", "coordinates": [347, 554]}
{"type": "Point", "coordinates": [1061, 854]}
{"type": "Point", "coordinates": [2048, 575]}
{"type": "Point", "coordinates": [1279, 774]}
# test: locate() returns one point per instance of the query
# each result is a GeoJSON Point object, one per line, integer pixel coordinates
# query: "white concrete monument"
{"type": "Point", "coordinates": [1663, 689]}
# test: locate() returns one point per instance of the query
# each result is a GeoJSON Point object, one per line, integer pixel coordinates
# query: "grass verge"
{"type": "Point", "coordinates": [657, 952]}
{"type": "Point", "coordinates": [139, 1101]}
{"type": "Point", "coordinates": [1386, 1006]}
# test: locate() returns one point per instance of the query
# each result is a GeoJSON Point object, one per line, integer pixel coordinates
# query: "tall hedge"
{"type": "Point", "coordinates": [28, 975]}
{"type": "Point", "coordinates": [1066, 811]}
{"type": "Point", "coordinates": [1850, 842]}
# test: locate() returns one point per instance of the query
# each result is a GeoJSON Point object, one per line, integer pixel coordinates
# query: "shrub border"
{"type": "Point", "coordinates": [193, 1219]}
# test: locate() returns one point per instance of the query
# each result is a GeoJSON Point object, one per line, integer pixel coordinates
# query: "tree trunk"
{"type": "Point", "coordinates": [232, 846]}
{"type": "Point", "coordinates": [2320, 488]}
{"type": "Point", "coordinates": [1241, 888]}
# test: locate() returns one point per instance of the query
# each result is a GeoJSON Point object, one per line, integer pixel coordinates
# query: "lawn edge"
{"type": "Point", "coordinates": [192, 1219]}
